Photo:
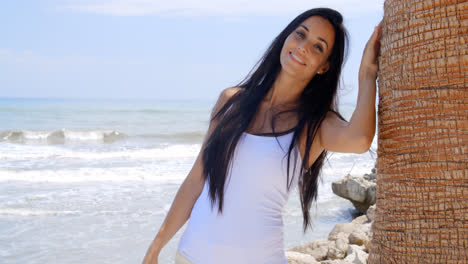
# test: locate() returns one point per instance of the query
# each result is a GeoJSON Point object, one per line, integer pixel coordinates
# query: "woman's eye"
{"type": "Point", "coordinates": [300, 34]}
{"type": "Point", "coordinates": [317, 46]}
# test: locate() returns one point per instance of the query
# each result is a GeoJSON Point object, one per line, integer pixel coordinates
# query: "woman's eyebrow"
{"type": "Point", "coordinates": [301, 25]}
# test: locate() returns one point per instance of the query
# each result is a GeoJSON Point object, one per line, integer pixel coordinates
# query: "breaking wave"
{"type": "Point", "coordinates": [60, 136]}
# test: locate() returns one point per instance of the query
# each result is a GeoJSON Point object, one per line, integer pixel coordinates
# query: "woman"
{"type": "Point", "coordinates": [242, 168]}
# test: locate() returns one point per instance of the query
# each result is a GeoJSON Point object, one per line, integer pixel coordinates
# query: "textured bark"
{"type": "Point", "coordinates": [422, 180]}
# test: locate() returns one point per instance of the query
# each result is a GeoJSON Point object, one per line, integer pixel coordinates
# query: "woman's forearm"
{"type": "Point", "coordinates": [362, 122]}
{"type": "Point", "coordinates": [178, 214]}
{"type": "Point", "coordinates": [363, 119]}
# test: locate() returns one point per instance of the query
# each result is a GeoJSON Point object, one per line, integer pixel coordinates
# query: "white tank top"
{"type": "Point", "coordinates": [250, 229]}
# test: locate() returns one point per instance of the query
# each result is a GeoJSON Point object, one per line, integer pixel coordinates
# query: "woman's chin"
{"type": "Point", "coordinates": [293, 72]}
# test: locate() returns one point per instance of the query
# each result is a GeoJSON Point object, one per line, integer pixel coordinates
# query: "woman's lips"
{"type": "Point", "coordinates": [294, 59]}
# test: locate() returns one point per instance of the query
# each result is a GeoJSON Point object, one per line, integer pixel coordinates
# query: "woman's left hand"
{"type": "Point", "coordinates": [369, 66]}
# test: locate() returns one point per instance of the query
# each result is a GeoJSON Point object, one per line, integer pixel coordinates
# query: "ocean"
{"type": "Point", "coordinates": [91, 180]}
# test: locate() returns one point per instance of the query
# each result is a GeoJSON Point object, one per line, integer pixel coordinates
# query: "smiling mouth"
{"type": "Point", "coordinates": [296, 59]}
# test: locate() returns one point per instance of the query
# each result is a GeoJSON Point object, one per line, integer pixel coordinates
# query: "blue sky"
{"type": "Point", "coordinates": [153, 49]}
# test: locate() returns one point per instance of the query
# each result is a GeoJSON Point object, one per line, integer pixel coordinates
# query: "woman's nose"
{"type": "Point", "coordinates": [301, 49]}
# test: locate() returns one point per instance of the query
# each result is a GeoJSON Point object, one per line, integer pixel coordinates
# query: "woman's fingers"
{"type": "Point", "coordinates": [375, 35]}
{"type": "Point", "coordinates": [377, 31]}
{"type": "Point", "coordinates": [375, 38]}
{"type": "Point", "coordinates": [371, 52]}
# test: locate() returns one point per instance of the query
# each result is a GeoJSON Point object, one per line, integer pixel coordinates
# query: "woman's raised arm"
{"type": "Point", "coordinates": [356, 135]}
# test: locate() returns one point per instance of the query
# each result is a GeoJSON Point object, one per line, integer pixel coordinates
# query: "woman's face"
{"type": "Point", "coordinates": [306, 50]}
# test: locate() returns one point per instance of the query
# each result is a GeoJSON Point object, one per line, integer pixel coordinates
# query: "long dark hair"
{"type": "Point", "coordinates": [318, 97]}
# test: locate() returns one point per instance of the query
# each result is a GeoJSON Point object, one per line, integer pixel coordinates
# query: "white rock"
{"type": "Point", "coordinates": [334, 261]}
{"type": "Point", "coordinates": [347, 228]}
{"type": "Point", "coordinates": [360, 219]}
{"type": "Point", "coordinates": [317, 249]}
{"type": "Point", "coordinates": [357, 238]}
{"type": "Point", "coordinates": [364, 228]}
{"type": "Point", "coordinates": [361, 192]}
{"type": "Point", "coordinates": [337, 249]}
{"type": "Point", "coordinates": [340, 228]}
{"type": "Point", "coordinates": [294, 257]}
{"type": "Point", "coordinates": [353, 188]}
{"type": "Point", "coordinates": [371, 213]}
{"type": "Point", "coordinates": [356, 255]}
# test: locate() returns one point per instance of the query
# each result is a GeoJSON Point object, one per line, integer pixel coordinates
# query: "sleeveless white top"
{"type": "Point", "coordinates": [250, 229]}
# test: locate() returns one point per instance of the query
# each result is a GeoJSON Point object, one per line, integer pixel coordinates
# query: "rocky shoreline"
{"type": "Point", "coordinates": [348, 243]}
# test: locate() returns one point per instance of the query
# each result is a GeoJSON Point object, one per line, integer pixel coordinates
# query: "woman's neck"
{"type": "Point", "coordinates": [285, 91]}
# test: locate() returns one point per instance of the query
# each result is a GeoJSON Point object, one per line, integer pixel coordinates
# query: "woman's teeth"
{"type": "Point", "coordinates": [296, 58]}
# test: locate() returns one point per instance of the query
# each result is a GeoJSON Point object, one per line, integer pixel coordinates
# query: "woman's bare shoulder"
{"type": "Point", "coordinates": [224, 96]}
{"type": "Point", "coordinates": [230, 91]}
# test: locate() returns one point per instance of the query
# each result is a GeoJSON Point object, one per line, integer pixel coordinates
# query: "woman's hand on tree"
{"type": "Point", "coordinates": [369, 65]}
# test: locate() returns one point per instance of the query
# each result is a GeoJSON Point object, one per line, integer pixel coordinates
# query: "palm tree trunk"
{"type": "Point", "coordinates": [422, 182]}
